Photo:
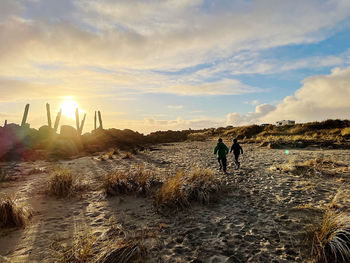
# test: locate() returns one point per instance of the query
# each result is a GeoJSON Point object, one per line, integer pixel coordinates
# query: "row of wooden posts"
{"type": "Point", "coordinates": [79, 125]}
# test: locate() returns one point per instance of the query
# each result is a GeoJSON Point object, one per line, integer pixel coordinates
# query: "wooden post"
{"type": "Point", "coordinates": [48, 115]}
{"type": "Point", "coordinates": [77, 118]}
{"type": "Point", "coordinates": [5, 123]}
{"type": "Point", "coordinates": [82, 125]}
{"type": "Point", "coordinates": [95, 120]}
{"type": "Point", "coordinates": [25, 115]}
{"type": "Point", "coordinates": [100, 120]}
{"type": "Point", "coordinates": [57, 121]}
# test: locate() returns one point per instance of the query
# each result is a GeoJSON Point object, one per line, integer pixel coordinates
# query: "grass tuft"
{"type": "Point", "coordinates": [130, 251]}
{"type": "Point", "coordinates": [331, 238]}
{"type": "Point", "coordinates": [128, 155]}
{"type": "Point", "coordinates": [13, 214]}
{"type": "Point", "coordinates": [317, 166]}
{"type": "Point", "coordinates": [139, 181]}
{"type": "Point", "coordinates": [61, 183]}
{"type": "Point", "coordinates": [178, 192]}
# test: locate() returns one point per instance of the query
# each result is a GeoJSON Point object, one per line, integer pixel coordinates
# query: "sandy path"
{"type": "Point", "coordinates": [255, 222]}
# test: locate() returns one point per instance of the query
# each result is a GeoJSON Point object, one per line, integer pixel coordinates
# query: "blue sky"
{"type": "Point", "coordinates": [158, 65]}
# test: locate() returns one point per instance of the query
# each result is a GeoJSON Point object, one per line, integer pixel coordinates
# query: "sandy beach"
{"type": "Point", "coordinates": [262, 216]}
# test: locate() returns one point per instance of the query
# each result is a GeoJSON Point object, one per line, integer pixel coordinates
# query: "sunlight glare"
{"type": "Point", "coordinates": [68, 107]}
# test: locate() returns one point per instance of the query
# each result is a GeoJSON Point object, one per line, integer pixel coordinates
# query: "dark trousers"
{"type": "Point", "coordinates": [222, 162]}
{"type": "Point", "coordinates": [236, 160]}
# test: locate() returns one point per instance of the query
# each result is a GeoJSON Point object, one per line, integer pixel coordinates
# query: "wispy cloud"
{"type": "Point", "coordinates": [177, 107]}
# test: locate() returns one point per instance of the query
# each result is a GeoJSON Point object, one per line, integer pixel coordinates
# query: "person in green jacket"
{"type": "Point", "coordinates": [222, 150]}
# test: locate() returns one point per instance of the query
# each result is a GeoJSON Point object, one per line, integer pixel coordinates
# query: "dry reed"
{"type": "Point", "coordinates": [13, 214]}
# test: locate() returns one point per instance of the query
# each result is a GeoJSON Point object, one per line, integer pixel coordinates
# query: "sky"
{"type": "Point", "coordinates": [175, 64]}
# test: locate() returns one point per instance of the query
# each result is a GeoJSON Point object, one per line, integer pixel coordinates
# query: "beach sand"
{"type": "Point", "coordinates": [262, 217]}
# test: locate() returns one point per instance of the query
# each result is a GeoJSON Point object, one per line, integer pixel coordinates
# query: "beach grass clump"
{"type": "Point", "coordinates": [346, 132]}
{"type": "Point", "coordinates": [185, 187]}
{"type": "Point", "coordinates": [139, 181]}
{"type": "Point", "coordinates": [61, 182]}
{"type": "Point", "coordinates": [317, 166]}
{"type": "Point", "coordinates": [127, 155]}
{"type": "Point", "coordinates": [125, 251]}
{"type": "Point", "coordinates": [12, 213]}
{"type": "Point", "coordinates": [331, 238]}
{"type": "Point", "coordinates": [82, 248]}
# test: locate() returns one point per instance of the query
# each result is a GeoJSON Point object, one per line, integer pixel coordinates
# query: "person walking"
{"type": "Point", "coordinates": [237, 150]}
{"type": "Point", "coordinates": [221, 149]}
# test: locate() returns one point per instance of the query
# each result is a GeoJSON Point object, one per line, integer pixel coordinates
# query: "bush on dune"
{"type": "Point", "coordinates": [139, 181]}
{"type": "Point", "coordinates": [178, 192]}
{"type": "Point", "coordinates": [331, 238]}
{"type": "Point", "coordinates": [62, 182]}
{"type": "Point", "coordinates": [13, 214]}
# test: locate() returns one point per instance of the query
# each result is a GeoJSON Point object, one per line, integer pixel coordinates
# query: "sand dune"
{"type": "Point", "coordinates": [262, 217]}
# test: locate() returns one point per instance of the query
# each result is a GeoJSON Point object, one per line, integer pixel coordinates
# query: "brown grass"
{"type": "Point", "coordinates": [62, 182]}
{"type": "Point", "coordinates": [128, 155]}
{"type": "Point", "coordinates": [178, 192]}
{"type": "Point", "coordinates": [116, 245]}
{"type": "Point", "coordinates": [139, 181]}
{"type": "Point", "coordinates": [13, 214]}
{"type": "Point", "coordinates": [331, 238]}
{"type": "Point", "coordinates": [318, 166]}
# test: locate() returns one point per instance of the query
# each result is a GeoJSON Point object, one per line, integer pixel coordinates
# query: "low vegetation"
{"type": "Point", "coordinates": [331, 238]}
{"type": "Point", "coordinates": [119, 246]}
{"type": "Point", "coordinates": [12, 213]}
{"type": "Point", "coordinates": [318, 166]}
{"type": "Point", "coordinates": [62, 182]}
{"type": "Point", "coordinates": [185, 187]}
{"type": "Point", "coordinates": [139, 181]}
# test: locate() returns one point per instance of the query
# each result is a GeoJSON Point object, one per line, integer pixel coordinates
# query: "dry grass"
{"type": "Point", "coordinates": [139, 181]}
{"type": "Point", "coordinates": [318, 166]}
{"type": "Point", "coordinates": [178, 192]}
{"type": "Point", "coordinates": [62, 183]}
{"type": "Point", "coordinates": [130, 251]}
{"type": "Point", "coordinates": [13, 214]}
{"type": "Point", "coordinates": [127, 155]}
{"type": "Point", "coordinates": [82, 248]}
{"type": "Point", "coordinates": [331, 238]}
{"type": "Point", "coordinates": [345, 132]}
{"type": "Point", "coordinates": [116, 245]}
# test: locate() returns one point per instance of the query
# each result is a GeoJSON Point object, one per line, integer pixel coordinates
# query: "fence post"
{"type": "Point", "coordinates": [57, 121]}
{"type": "Point", "coordinates": [48, 115]}
{"type": "Point", "coordinates": [25, 115]}
{"type": "Point", "coordinates": [82, 125]}
{"type": "Point", "coordinates": [100, 119]}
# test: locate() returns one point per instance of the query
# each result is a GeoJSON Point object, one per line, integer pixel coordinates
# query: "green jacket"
{"type": "Point", "coordinates": [221, 149]}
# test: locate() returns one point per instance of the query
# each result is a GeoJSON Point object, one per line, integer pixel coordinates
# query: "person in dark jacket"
{"type": "Point", "coordinates": [237, 150]}
{"type": "Point", "coordinates": [222, 150]}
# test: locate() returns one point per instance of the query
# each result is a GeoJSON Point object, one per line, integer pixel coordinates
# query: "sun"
{"type": "Point", "coordinates": [68, 107]}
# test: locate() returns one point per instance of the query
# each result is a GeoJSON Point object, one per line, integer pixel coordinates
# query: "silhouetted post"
{"type": "Point", "coordinates": [82, 125]}
{"type": "Point", "coordinates": [57, 121]}
{"type": "Point", "coordinates": [48, 115]}
{"type": "Point", "coordinates": [5, 123]}
{"type": "Point", "coordinates": [77, 118]}
{"type": "Point", "coordinates": [95, 120]}
{"type": "Point", "coordinates": [25, 115]}
{"type": "Point", "coordinates": [100, 119]}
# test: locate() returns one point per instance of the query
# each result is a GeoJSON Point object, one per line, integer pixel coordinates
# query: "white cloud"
{"type": "Point", "coordinates": [320, 98]}
{"type": "Point", "coordinates": [237, 119]}
{"type": "Point", "coordinates": [175, 107]}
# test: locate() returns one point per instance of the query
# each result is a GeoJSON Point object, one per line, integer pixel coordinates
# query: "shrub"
{"type": "Point", "coordinates": [198, 185]}
{"type": "Point", "coordinates": [61, 183]}
{"type": "Point", "coordinates": [140, 182]}
{"type": "Point", "coordinates": [130, 251]}
{"type": "Point", "coordinates": [128, 155]}
{"type": "Point", "coordinates": [317, 166]}
{"type": "Point", "coordinates": [12, 214]}
{"type": "Point", "coordinates": [331, 238]}
{"type": "Point", "coordinates": [345, 132]}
